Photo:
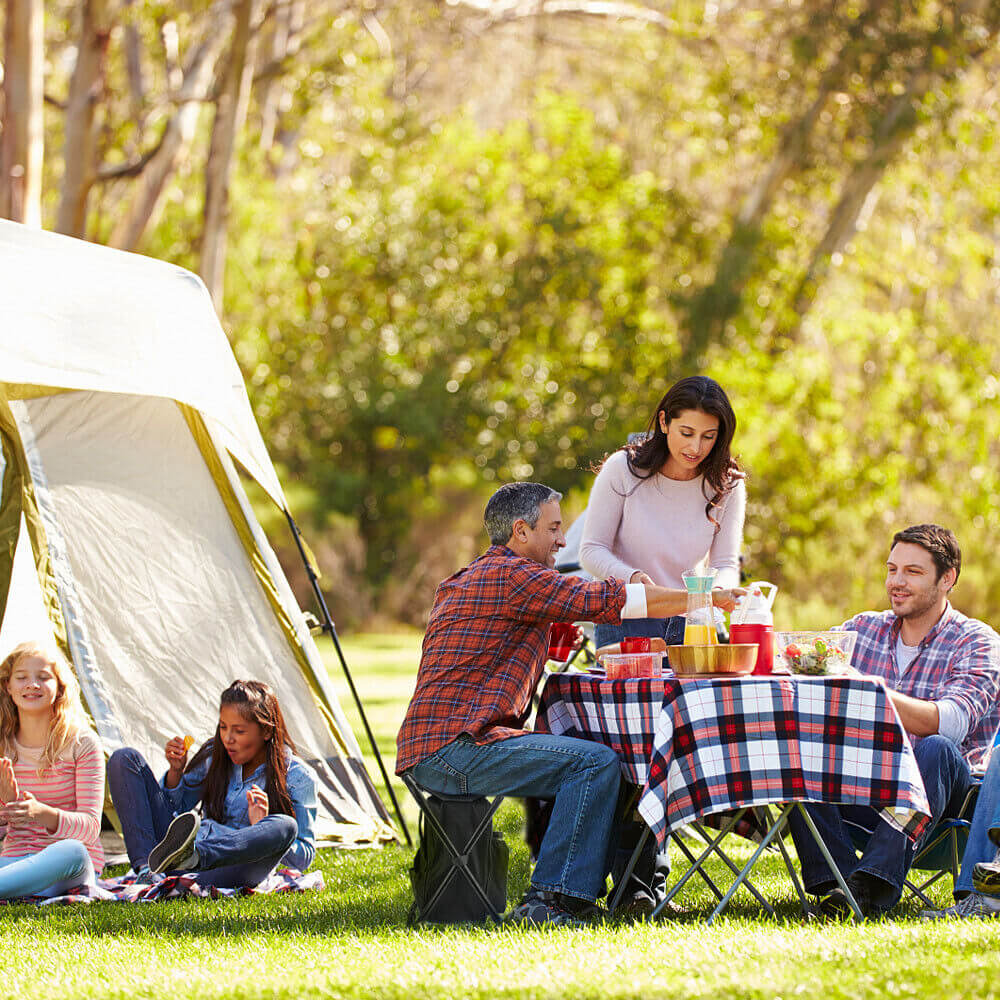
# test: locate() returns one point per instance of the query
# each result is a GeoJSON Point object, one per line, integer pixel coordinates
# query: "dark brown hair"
{"type": "Point", "coordinates": [696, 392]}
{"type": "Point", "coordinates": [939, 542]}
{"type": "Point", "coordinates": [256, 702]}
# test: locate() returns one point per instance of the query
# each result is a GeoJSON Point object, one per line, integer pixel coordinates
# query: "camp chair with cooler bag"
{"type": "Point", "coordinates": [459, 872]}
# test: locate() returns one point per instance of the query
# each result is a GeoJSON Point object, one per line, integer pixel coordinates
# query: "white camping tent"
{"type": "Point", "coordinates": [125, 532]}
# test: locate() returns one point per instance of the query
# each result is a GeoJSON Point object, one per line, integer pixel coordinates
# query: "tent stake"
{"type": "Point", "coordinates": [331, 629]}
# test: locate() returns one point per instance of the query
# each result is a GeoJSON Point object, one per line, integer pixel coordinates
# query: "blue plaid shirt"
{"type": "Point", "coordinates": [958, 660]}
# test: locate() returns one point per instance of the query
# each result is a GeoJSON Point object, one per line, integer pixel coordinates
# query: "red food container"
{"type": "Point", "coordinates": [635, 644]}
{"type": "Point", "coordinates": [622, 666]}
{"type": "Point", "coordinates": [761, 634]}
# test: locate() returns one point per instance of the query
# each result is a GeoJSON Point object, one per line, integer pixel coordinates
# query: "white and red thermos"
{"type": "Point", "coordinates": [752, 621]}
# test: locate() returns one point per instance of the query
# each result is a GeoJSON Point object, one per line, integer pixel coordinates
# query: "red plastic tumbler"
{"type": "Point", "coordinates": [562, 638]}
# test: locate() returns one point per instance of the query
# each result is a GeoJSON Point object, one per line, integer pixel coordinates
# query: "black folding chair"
{"type": "Point", "coordinates": [459, 856]}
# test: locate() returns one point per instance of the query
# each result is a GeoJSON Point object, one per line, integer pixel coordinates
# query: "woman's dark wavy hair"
{"type": "Point", "coordinates": [256, 702]}
{"type": "Point", "coordinates": [696, 392]}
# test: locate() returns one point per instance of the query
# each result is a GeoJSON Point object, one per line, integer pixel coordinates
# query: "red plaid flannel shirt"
{"type": "Point", "coordinates": [485, 648]}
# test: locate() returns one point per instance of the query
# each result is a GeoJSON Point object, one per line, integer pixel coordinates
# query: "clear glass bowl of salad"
{"type": "Point", "coordinates": [814, 654]}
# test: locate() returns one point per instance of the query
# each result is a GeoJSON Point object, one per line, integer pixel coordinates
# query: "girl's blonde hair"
{"type": "Point", "coordinates": [68, 719]}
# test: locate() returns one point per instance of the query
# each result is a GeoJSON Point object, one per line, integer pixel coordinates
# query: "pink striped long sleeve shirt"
{"type": "Point", "coordinates": [75, 786]}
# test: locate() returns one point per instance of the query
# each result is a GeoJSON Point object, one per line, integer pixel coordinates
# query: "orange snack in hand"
{"type": "Point", "coordinates": [188, 743]}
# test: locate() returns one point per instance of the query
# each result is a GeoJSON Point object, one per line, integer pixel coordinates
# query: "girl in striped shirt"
{"type": "Point", "coordinates": [51, 778]}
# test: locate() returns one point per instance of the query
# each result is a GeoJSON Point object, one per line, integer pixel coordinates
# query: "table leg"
{"type": "Point", "coordinates": [789, 866]}
{"type": "Point", "coordinates": [858, 915]}
{"type": "Point", "coordinates": [768, 837]}
{"type": "Point", "coordinates": [676, 888]}
{"type": "Point", "coordinates": [751, 888]}
{"type": "Point", "coordinates": [678, 840]}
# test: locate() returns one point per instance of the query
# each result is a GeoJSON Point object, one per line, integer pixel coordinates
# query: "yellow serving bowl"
{"type": "Point", "coordinates": [690, 661]}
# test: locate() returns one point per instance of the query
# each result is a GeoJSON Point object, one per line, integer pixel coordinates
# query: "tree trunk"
{"type": "Point", "coordinates": [133, 65]}
{"type": "Point", "coordinates": [287, 19]}
{"type": "Point", "coordinates": [718, 301]}
{"type": "Point", "coordinates": [22, 140]}
{"type": "Point", "coordinates": [198, 75]}
{"type": "Point", "coordinates": [897, 125]}
{"type": "Point", "coordinates": [85, 92]}
{"type": "Point", "coordinates": [230, 114]}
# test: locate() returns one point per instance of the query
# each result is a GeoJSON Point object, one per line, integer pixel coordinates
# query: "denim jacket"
{"type": "Point", "coordinates": [301, 789]}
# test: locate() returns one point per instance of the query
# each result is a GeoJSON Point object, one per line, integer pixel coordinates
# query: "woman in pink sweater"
{"type": "Point", "coordinates": [669, 502]}
{"type": "Point", "coordinates": [51, 778]}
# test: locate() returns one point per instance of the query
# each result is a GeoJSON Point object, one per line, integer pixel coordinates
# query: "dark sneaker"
{"type": "Point", "coordinates": [638, 905]}
{"type": "Point", "coordinates": [836, 906]}
{"type": "Point", "coordinates": [972, 906]}
{"type": "Point", "coordinates": [986, 878]}
{"type": "Point", "coordinates": [541, 909]}
{"type": "Point", "coordinates": [176, 850]}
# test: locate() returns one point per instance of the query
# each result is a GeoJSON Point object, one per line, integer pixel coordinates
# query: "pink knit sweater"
{"type": "Point", "coordinates": [75, 786]}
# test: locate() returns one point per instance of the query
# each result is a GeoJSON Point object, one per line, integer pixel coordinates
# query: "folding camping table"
{"type": "Point", "coordinates": [738, 746]}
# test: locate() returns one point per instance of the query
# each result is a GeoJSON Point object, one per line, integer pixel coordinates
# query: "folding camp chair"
{"type": "Point", "coordinates": [942, 854]}
{"type": "Point", "coordinates": [460, 858]}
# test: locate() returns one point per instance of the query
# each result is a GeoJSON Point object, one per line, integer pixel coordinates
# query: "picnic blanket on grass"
{"type": "Point", "coordinates": [152, 888]}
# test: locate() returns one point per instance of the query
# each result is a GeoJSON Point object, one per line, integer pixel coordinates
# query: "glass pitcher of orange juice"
{"type": "Point", "coordinates": [699, 629]}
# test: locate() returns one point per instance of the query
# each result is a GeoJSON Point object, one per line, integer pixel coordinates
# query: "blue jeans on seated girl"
{"type": "Point", "coordinates": [229, 856]}
{"type": "Point", "coordinates": [53, 871]}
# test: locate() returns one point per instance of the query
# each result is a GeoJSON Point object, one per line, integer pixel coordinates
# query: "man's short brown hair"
{"type": "Point", "coordinates": [939, 542]}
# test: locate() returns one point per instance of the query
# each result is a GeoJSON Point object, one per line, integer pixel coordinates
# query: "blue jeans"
{"type": "Point", "coordinates": [984, 831]}
{"type": "Point", "coordinates": [671, 630]}
{"type": "Point", "coordinates": [229, 856]}
{"type": "Point", "coordinates": [581, 777]}
{"type": "Point", "coordinates": [53, 871]}
{"type": "Point", "coordinates": [888, 853]}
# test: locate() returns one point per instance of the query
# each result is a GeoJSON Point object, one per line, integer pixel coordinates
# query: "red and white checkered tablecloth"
{"type": "Point", "coordinates": [704, 746]}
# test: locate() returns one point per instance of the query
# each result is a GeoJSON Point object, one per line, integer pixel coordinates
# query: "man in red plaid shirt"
{"type": "Point", "coordinates": [942, 670]}
{"type": "Point", "coordinates": [483, 655]}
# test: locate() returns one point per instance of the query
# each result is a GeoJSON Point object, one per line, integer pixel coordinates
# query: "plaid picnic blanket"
{"type": "Point", "coordinates": [705, 746]}
{"type": "Point", "coordinates": [128, 889]}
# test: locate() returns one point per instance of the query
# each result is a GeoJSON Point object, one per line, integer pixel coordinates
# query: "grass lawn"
{"type": "Point", "coordinates": [351, 940]}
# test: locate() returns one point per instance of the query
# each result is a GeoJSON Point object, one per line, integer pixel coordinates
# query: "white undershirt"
{"type": "Point", "coordinates": [953, 722]}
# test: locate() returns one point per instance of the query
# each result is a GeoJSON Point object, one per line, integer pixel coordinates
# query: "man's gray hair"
{"type": "Point", "coordinates": [515, 502]}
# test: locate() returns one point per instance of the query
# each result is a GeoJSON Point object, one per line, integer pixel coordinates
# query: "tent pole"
{"type": "Point", "coordinates": [331, 630]}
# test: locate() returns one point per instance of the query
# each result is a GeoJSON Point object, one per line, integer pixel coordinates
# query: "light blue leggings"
{"type": "Point", "coordinates": [53, 871]}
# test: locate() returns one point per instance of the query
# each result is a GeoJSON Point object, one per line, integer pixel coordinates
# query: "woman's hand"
{"type": "Point", "coordinates": [257, 805]}
{"type": "Point", "coordinates": [27, 810]}
{"type": "Point", "coordinates": [726, 599]}
{"type": "Point", "coordinates": [8, 783]}
{"type": "Point", "coordinates": [639, 577]}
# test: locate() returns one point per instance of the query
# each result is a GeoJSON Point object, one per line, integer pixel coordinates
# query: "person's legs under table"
{"type": "Point", "coordinates": [580, 776]}
{"type": "Point", "coordinates": [880, 872]}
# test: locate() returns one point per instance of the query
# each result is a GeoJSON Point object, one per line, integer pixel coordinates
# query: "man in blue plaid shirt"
{"type": "Point", "coordinates": [943, 673]}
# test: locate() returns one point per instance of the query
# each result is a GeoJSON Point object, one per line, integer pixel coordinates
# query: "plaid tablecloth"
{"type": "Point", "coordinates": [700, 747]}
